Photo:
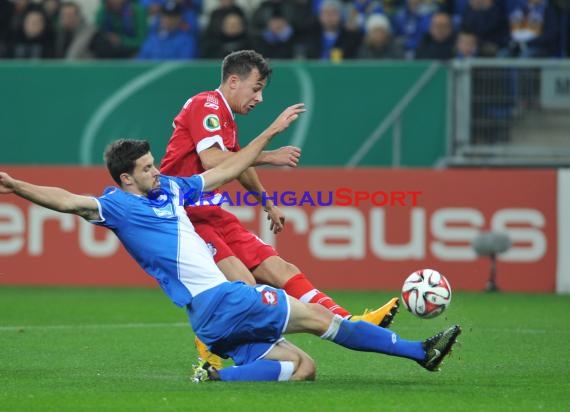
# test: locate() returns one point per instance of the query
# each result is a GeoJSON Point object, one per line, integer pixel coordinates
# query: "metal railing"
{"type": "Point", "coordinates": [510, 112]}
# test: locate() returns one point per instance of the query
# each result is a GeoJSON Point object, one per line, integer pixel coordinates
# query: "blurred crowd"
{"type": "Point", "coordinates": [283, 29]}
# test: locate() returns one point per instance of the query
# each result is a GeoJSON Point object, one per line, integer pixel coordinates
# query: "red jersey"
{"type": "Point", "coordinates": [204, 121]}
{"type": "Point", "coordinates": [207, 120]}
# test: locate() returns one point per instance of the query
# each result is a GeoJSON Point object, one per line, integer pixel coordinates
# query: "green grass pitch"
{"type": "Point", "coordinates": [94, 349]}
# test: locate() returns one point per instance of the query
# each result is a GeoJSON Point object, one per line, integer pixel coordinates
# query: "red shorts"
{"type": "Point", "coordinates": [226, 236]}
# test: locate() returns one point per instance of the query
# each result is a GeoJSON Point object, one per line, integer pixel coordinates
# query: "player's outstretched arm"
{"type": "Point", "coordinates": [287, 156]}
{"type": "Point", "coordinates": [53, 198]}
{"type": "Point", "coordinates": [233, 166]}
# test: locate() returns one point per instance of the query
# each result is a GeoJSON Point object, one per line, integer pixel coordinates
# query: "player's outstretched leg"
{"type": "Point", "coordinates": [365, 337]}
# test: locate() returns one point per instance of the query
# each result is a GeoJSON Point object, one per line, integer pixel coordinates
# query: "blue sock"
{"type": "Point", "coordinates": [365, 337]}
{"type": "Point", "coordinates": [259, 370]}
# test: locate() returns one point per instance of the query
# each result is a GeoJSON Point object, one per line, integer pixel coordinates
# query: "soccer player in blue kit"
{"type": "Point", "coordinates": [235, 320]}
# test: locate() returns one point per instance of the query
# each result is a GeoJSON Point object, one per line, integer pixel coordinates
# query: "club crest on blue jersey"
{"type": "Point", "coordinates": [164, 211]}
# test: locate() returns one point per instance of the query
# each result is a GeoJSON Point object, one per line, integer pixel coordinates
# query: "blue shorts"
{"type": "Point", "coordinates": [240, 321]}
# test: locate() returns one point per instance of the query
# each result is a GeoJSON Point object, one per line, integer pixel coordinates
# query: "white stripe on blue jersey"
{"type": "Point", "coordinates": [161, 238]}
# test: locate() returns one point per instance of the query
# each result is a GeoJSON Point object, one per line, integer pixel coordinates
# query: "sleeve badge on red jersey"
{"type": "Point", "coordinates": [211, 123]}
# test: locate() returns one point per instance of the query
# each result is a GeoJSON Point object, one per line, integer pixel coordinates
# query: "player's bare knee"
{"type": "Point", "coordinates": [283, 268]}
{"type": "Point", "coordinates": [307, 369]}
{"type": "Point", "coordinates": [320, 318]}
{"type": "Point", "coordinates": [275, 271]}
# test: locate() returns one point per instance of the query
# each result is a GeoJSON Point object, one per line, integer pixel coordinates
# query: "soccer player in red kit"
{"type": "Point", "coordinates": [205, 134]}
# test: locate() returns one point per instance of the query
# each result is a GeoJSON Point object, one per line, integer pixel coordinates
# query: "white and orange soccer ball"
{"type": "Point", "coordinates": [426, 293]}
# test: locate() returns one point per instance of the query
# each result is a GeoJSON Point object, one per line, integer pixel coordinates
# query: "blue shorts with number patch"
{"type": "Point", "coordinates": [240, 321]}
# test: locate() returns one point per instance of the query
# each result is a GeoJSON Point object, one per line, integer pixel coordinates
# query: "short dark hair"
{"type": "Point", "coordinates": [121, 156]}
{"type": "Point", "coordinates": [242, 62]}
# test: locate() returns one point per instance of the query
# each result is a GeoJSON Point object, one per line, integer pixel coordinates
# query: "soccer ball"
{"type": "Point", "coordinates": [426, 293]}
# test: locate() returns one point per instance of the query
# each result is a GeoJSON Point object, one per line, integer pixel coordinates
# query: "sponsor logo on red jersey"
{"type": "Point", "coordinates": [212, 102]}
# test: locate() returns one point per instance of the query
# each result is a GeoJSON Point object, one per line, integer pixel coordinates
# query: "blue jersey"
{"type": "Point", "coordinates": [160, 237]}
